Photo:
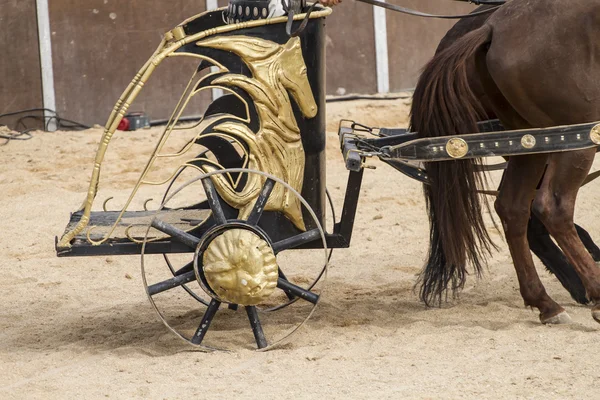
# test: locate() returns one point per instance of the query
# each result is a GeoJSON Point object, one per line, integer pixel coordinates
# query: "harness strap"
{"type": "Point", "coordinates": [484, 2]}
{"type": "Point", "coordinates": [408, 11]}
{"type": "Point", "coordinates": [393, 7]}
{"type": "Point", "coordinates": [290, 21]}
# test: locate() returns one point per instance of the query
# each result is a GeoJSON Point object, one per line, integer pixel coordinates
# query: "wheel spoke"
{"type": "Point", "coordinates": [259, 206]}
{"type": "Point", "coordinates": [295, 241]}
{"type": "Point", "coordinates": [304, 294]}
{"type": "Point", "coordinates": [282, 276]}
{"type": "Point", "coordinates": [213, 201]}
{"type": "Point", "coordinates": [259, 335]}
{"type": "Point", "coordinates": [185, 269]}
{"type": "Point", "coordinates": [171, 283]}
{"type": "Point", "coordinates": [181, 236]}
{"type": "Point", "coordinates": [206, 320]}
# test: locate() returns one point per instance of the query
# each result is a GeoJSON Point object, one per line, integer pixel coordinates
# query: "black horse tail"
{"type": "Point", "coordinates": [443, 105]}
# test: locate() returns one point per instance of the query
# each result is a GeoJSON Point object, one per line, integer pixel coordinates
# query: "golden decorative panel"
{"type": "Point", "coordinates": [277, 147]}
{"type": "Point", "coordinates": [277, 71]}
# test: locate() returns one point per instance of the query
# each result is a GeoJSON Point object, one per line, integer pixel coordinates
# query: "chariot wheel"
{"type": "Point", "coordinates": [235, 261]}
{"type": "Point", "coordinates": [170, 264]}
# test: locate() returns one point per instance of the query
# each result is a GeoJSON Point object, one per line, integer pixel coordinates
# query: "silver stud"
{"type": "Point", "coordinates": [255, 12]}
{"type": "Point", "coordinates": [240, 11]}
{"type": "Point", "coordinates": [562, 138]}
{"type": "Point", "coordinates": [247, 11]}
{"type": "Point", "coordinates": [264, 13]}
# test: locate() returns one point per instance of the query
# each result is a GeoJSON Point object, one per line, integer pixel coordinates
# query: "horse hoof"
{"type": "Point", "coordinates": [596, 313]}
{"type": "Point", "coordinates": [560, 318]}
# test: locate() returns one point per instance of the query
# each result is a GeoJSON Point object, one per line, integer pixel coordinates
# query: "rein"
{"type": "Point", "coordinates": [408, 11]}
{"type": "Point", "coordinates": [392, 7]}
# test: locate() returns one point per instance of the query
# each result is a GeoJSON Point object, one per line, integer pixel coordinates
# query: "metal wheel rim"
{"type": "Point", "coordinates": [323, 274]}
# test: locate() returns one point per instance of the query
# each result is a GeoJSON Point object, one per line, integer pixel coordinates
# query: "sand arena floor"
{"type": "Point", "coordinates": [82, 327]}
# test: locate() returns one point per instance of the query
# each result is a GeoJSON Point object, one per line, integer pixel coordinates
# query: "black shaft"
{"type": "Point", "coordinates": [289, 287]}
{"type": "Point", "coordinates": [282, 276]}
{"type": "Point", "coordinates": [259, 335]}
{"type": "Point", "coordinates": [213, 201]}
{"type": "Point", "coordinates": [186, 268]}
{"type": "Point", "coordinates": [206, 320]}
{"type": "Point", "coordinates": [171, 283]}
{"type": "Point", "coordinates": [181, 236]}
{"type": "Point", "coordinates": [295, 241]}
{"type": "Point", "coordinates": [259, 206]}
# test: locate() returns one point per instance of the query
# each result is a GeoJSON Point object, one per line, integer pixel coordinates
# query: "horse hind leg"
{"type": "Point", "coordinates": [589, 243]}
{"type": "Point", "coordinates": [555, 206]}
{"type": "Point", "coordinates": [513, 204]}
{"type": "Point", "coordinates": [553, 258]}
{"type": "Point", "coordinates": [513, 207]}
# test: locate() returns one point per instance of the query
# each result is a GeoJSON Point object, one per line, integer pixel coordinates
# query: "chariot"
{"type": "Point", "coordinates": [236, 191]}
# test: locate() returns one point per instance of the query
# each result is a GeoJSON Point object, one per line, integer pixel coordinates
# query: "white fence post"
{"type": "Point", "coordinates": [45, 40]}
{"type": "Point", "coordinates": [211, 5]}
{"type": "Point", "coordinates": [381, 50]}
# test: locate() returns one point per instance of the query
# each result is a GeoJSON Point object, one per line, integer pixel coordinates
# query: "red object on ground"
{"type": "Point", "coordinates": [124, 124]}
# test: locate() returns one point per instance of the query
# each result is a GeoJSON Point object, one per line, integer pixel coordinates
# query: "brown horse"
{"type": "Point", "coordinates": [538, 236]}
{"type": "Point", "coordinates": [539, 65]}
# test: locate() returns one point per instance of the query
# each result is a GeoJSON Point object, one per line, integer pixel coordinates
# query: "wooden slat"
{"type": "Point", "coordinates": [100, 45]}
{"type": "Point", "coordinates": [351, 66]}
{"type": "Point", "coordinates": [21, 86]}
{"type": "Point", "coordinates": [412, 41]}
{"type": "Point", "coordinates": [103, 222]}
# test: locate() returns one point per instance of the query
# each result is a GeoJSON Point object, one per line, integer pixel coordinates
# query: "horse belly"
{"type": "Point", "coordinates": [548, 70]}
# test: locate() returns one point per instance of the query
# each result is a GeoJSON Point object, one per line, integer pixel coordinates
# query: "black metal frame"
{"type": "Point", "coordinates": [339, 238]}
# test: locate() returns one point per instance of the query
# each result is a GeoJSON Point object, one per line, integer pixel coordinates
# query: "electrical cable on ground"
{"type": "Point", "coordinates": [22, 131]}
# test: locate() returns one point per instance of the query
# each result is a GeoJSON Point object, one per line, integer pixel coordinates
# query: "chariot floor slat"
{"type": "Point", "coordinates": [132, 225]}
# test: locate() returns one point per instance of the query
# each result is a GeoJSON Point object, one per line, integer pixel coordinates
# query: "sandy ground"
{"type": "Point", "coordinates": [83, 328]}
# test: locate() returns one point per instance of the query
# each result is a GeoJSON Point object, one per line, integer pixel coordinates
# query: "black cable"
{"type": "Point", "coordinates": [67, 124]}
{"type": "Point", "coordinates": [336, 99]}
{"type": "Point", "coordinates": [45, 120]}
{"type": "Point", "coordinates": [26, 111]}
{"type": "Point", "coordinates": [365, 97]}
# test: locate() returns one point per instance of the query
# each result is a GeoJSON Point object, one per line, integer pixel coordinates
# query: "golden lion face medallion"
{"type": "Point", "coordinates": [240, 267]}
